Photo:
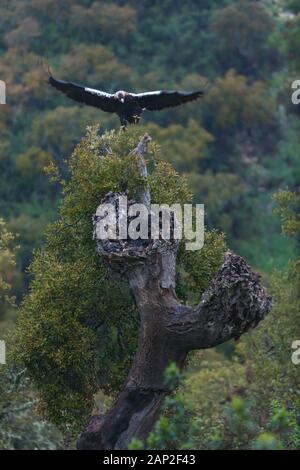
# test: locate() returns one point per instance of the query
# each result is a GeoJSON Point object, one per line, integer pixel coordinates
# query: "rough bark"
{"type": "Point", "coordinates": [234, 303]}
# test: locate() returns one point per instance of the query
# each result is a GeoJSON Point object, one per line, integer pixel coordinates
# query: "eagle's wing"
{"type": "Point", "coordinates": [100, 99]}
{"type": "Point", "coordinates": [153, 100]}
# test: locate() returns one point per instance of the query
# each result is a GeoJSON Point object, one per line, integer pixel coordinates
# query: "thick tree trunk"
{"type": "Point", "coordinates": [136, 408]}
{"type": "Point", "coordinates": [234, 303]}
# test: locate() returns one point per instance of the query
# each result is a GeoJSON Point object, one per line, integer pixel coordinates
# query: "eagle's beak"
{"type": "Point", "coordinates": [122, 100]}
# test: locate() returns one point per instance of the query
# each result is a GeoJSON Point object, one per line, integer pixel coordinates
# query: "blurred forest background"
{"type": "Point", "coordinates": [239, 148]}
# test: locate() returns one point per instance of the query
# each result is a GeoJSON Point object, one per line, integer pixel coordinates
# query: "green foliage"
{"type": "Point", "coordinates": [32, 162]}
{"type": "Point", "coordinates": [236, 427]}
{"type": "Point", "coordinates": [244, 431]}
{"type": "Point", "coordinates": [20, 427]}
{"type": "Point", "coordinates": [292, 34]}
{"type": "Point", "coordinates": [238, 112]}
{"type": "Point", "coordinates": [242, 34]}
{"type": "Point", "coordinates": [195, 269]}
{"type": "Point", "coordinates": [223, 194]}
{"type": "Point", "coordinates": [251, 400]}
{"type": "Point", "coordinates": [114, 22]}
{"type": "Point", "coordinates": [190, 141]}
{"type": "Point", "coordinates": [289, 210]}
{"type": "Point", "coordinates": [206, 391]}
{"type": "Point", "coordinates": [293, 5]}
{"type": "Point", "coordinates": [7, 266]}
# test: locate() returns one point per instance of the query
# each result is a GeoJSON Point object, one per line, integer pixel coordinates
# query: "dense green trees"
{"type": "Point", "coordinates": [19, 428]}
{"type": "Point", "coordinates": [7, 266]}
{"type": "Point", "coordinates": [234, 135]}
{"type": "Point", "coordinates": [243, 34]}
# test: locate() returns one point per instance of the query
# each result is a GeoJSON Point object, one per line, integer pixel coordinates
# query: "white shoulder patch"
{"type": "Point", "coordinates": [98, 92]}
{"type": "Point", "coordinates": [147, 93]}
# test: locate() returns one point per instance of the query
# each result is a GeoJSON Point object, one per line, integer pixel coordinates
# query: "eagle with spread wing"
{"type": "Point", "coordinates": [128, 106]}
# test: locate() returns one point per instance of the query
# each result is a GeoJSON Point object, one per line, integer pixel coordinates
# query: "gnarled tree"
{"type": "Point", "coordinates": [234, 302]}
{"type": "Point", "coordinates": [99, 310]}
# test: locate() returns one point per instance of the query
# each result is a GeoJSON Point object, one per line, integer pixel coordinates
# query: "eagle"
{"type": "Point", "coordinates": [128, 106]}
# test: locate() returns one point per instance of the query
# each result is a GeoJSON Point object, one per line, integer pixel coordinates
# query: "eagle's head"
{"type": "Point", "coordinates": [120, 95]}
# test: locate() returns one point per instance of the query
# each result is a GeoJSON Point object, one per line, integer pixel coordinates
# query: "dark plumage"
{"type": "Point", "coordinates": [128, 106]}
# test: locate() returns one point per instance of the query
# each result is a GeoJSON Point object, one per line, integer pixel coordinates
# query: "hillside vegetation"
{"type": "Point", "coordinates": [238, 149]}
